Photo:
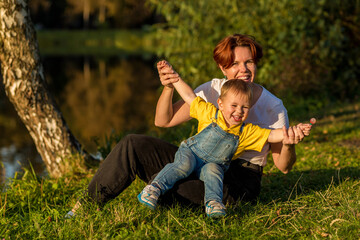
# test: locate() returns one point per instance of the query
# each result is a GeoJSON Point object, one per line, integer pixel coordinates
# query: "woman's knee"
{"type": "Point", "coordinates": [132, 138]}
{"type": "Point", "coordinates": [134, 142]}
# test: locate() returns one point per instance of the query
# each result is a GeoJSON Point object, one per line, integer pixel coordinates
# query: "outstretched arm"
{"type": "Point", "coordinates": [286, 136]}
{"type": "Point", "coordinates": [169, 114]}
{"type": "Point", "coordinates": [283, 153]}
{"type": "Point", "coordinates": [184, 90]}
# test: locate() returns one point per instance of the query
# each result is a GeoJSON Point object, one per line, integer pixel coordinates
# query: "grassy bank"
{"type": "Point", "coordinates": [318, 199]}
{"type": "Point", "coordinates": [95, 42]}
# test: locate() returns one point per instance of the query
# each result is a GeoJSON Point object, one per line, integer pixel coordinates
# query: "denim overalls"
{"type": "Point", "coordinates": [209, 154]}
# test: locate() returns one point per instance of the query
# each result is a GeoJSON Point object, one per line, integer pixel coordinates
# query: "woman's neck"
{"type": "Point", "coordinates": [257, 90]}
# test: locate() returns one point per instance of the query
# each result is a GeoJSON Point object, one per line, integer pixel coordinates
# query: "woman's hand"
{"type": "Point", "coordinates": [167, 74]}
{"type": "Point", "coordinates": [296, 134]}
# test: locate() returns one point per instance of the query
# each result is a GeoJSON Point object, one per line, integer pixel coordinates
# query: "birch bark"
{"type": "Point", "coordinates": [23, 77]}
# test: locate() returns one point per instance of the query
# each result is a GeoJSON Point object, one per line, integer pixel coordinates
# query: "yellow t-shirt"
{"type": "Point", "coordinates": [252, 137]}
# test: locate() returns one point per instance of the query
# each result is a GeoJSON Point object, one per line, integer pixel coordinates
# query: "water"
{"type": "Point", "coordinates": [97, 96]}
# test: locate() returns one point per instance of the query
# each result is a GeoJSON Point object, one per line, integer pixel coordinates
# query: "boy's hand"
{"type": "Point", "coordinates": [296, 134]}
{"type": "Point", "coordinates": [305, 128]}
{"type": "Point", "coordinates": [167, 74]}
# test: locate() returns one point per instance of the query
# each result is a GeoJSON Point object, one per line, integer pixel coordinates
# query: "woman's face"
{"type": "Point", "coordinates": [243, 67]}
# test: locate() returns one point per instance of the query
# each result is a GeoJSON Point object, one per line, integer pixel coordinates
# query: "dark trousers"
{"type": "Point", "coordinates": [144, 156]}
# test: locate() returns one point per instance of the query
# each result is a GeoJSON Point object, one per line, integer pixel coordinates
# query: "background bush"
{"type": "Point", "coordinates": [311, 48]}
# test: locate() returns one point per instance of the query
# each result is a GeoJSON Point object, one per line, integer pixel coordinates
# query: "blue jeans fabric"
{"type": "Point", "coordinates": [208, 154]}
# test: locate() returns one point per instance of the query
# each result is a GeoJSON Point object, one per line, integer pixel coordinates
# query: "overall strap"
{"type": "Point", "coordinates": [242, 128]}
{"type": "Point", "coordinates": [214, 119]}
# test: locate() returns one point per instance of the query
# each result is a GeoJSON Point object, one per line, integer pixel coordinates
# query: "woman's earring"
{"type": "Point", "coordinates": [225, 77]}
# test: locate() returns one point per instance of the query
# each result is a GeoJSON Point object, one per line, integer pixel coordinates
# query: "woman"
{"type": "Point", "coordinates": [137, 155]}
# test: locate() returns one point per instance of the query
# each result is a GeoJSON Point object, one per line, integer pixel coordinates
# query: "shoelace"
{"type": "Point", "coordinates": [152, 190]}
{"type": "Point", "coordinates": [218, 205]}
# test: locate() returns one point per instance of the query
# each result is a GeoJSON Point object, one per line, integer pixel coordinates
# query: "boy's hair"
{"type": "Point", "coordinates": [238, 87]}
{"type": "Point", "coordinates": [223, 53]}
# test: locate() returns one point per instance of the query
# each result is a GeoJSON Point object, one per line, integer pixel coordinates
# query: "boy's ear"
{"type": "Point", "coordinates": [220, 104]}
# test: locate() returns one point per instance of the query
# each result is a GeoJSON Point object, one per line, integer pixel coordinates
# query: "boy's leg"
{"type": "Point", "coordinates": [183, 165]}
{"type": "Point", "coordinates": [135, 155]}
{"type": "Point", "coordinates": [146, 156]}
{"type": "Point", "coordinates": [212, 175]}
{"type": "Point", "coordinates": [240, 183]}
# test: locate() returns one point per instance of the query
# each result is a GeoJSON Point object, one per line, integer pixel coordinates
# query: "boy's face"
{"type": "Point", "coordinates": [234, 107]}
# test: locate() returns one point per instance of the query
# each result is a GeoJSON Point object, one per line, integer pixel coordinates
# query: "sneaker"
{"type": "Point", "coordinates": [69, 215]}
{"type": "Point", "coordinates": [149, 196]}
{"type": "Point", "coordinates": [215, 209]}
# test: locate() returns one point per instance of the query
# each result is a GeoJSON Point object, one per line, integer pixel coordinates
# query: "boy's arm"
{"type": "Point", "coordinates": [168, 114]}
{"type": "Point", "coordinates": [284, 153]}
{"type": "Point", "coordinates": [283, 135]}
{"type": "Point", "coordinates": [276, 135]}
{"type": "Point", "coordinates": [184, 90]}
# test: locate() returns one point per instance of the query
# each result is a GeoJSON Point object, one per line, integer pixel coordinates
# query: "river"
{"type": "Point", "coordinates": [97, 95]}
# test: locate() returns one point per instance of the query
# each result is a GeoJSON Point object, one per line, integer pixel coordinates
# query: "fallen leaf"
{"type": "Point", "coordinates": [278, 212]}
{"type": "Point", "coordinates": [324, 234]}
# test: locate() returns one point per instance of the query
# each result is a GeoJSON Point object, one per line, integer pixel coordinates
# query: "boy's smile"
{"type": "Point", "coordinates": [234, 107]}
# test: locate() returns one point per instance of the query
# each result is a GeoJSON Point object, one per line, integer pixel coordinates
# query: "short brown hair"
{"type": "Point", "coordinates": [224, 51]}
{"type": "Point", "coordinates": [238, 86]}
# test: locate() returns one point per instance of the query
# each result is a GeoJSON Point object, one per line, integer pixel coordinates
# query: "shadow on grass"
{"type": "Point", "coordinates": [281, 188]}
{"type": "Point", "coordinates": [276, 187]}
{"type": "Point", "coordinates": [286, 187]}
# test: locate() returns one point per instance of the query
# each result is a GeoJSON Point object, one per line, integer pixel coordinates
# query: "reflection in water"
{"type": "Point", "coordinates": [14, 159]}
{"type": "Point", "coordinates": [109, 96]}
{"type": "Point", "coordinates": [96, 96]}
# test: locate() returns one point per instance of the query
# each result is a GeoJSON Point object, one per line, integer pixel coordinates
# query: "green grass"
{"type": "Point", "coordinates": [318, 199]}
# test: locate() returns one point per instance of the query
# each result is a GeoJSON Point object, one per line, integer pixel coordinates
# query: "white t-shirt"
{"type": "Point", "coordinates": [268, 112]}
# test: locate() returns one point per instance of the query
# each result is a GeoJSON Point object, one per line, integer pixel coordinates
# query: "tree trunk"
{"type": "Point", "coordinates": [25, 86]}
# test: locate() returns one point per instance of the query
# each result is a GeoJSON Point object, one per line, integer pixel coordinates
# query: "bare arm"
{"type": "Point", "coordinates": [283, 153]}
{"type": "Point", "coordinates": [286, 135]}
{"type": "Point", "coordinates": [284, 156]}
{"type": "Point", "coordinates": [169, 114]}
{"type": "Point", "coordinates": [184, 90]}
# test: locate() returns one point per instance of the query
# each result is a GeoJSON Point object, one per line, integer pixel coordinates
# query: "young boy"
{"type": "Point", "coordinates": [222, 136]}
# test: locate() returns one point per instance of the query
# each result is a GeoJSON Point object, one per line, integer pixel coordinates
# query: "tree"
{"type": "Point", "coordinates": [311, 48]}
{"type": "Point", "coordinates": [25, 85]}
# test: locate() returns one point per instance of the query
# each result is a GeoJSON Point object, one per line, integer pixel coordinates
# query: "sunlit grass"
{"type": "Point", "coordinates": [318, 199]}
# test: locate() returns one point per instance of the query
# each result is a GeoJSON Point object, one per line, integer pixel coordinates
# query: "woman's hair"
{"type": "Point", "coordinates": [238, 87]}
{"type": "Point", "coordinates": [224, 51]}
